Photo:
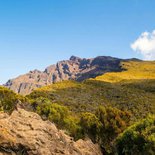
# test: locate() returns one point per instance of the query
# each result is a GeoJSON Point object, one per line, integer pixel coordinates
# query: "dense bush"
{"type": "Point", "coordinates": [139, 139]}
{"type": "Point", "coordinates": [58, 114]}
{"type": "Point", "coordinates": [105, 125]}
{"type": "Point", "coordinates": [91, 126]}
{"type": "Point", "coordinates": [114, 121]}
{"type": "Point", "coordinates": [8, 100]}
{"type": "Point", "coordinates": [102, 126]}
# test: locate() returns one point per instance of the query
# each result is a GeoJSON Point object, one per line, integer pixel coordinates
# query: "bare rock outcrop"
{"type": "Point", "coordinates": [25, 133]}
{"type": "Point", "coordinates": [73, 69]}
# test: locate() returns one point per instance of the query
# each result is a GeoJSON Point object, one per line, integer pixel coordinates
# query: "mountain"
{"type": "Point", "coordinates": [132, 89]}
{"type": "Point", "coordinates": [75, 68]}
{"type": "Point", "coordinates": [116, 95]}
{"type": "Point", "coordinates": [25, 133]}
{"type": "Point", "coordinates": [103, 107]}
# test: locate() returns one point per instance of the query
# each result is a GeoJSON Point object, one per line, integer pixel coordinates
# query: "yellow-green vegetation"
{"type": "Point", "coordinates": [138, 139]}
{"type": "Point", "coordinates": [102, 127]}
{"type": "Point", "coordinates": [136, 97]}
{"type": "Point", "coordinates": [131, 70]}
{"type": "Point", "coordinates": [105, 125]}
{"type": "Point", "coordinates": [8, 99]}
{"type": "Point", "coordinates": [58, 114]}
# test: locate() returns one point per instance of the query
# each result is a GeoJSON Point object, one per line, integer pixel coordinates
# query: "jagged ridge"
{"type": "Point", "coordinates": [73, 69]}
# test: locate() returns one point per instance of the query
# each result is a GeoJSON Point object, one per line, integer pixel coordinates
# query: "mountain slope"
{"type": "Point", "coordinates": [131, 89]}
{"type": "Point", "coordinates": [137, 97]}
{"type": "Point", "coordinates": [99, 107]}
{"type": "Point", "coordinates": [133, 70]}
{"type": "Point", "coordinates": [73, 69]}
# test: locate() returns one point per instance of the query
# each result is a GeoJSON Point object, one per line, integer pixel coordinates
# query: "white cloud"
{"type": "Point", "coordinates": [145, 45]}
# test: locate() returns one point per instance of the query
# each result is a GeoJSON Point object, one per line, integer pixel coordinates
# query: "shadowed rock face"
{"type": "Point", "coordinates": [26, 133]}
{"type": "Point", "coordinates": [73, 69]}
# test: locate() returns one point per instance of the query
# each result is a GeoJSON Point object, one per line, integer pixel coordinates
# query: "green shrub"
{"type": "Point", "coordinates": [113, 121]}
{"type": "Point", "coordinates": [54, 112]}
{"type": "Point", "coordinates": [139, 139]}
{"type": "Point", "coordinates": [104, 126]}
{"type": "Point", "coordinates": [90, 125]}
{"type": "Point", "coordinates": [58, 114]}
{"type": "Point", "coordinates": [8, 100]}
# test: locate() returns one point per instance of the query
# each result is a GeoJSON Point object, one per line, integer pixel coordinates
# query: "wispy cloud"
{"type": "Point", "coordinates": [145, 45]}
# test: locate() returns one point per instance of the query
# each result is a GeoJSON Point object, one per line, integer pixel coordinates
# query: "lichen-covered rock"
{"type": "Point", "coordinates": [26, 133]}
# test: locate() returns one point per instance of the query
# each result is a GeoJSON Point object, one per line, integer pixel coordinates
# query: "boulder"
{"type": "Point", "coordinates": [25, 133]}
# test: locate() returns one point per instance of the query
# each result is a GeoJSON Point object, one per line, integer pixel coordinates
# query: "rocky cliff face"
{"type": "Point", "coordinates": [26, 133]}
{"type": "Point", "coordinates": [73, 69]}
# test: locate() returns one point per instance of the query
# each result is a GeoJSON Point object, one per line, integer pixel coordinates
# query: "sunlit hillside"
{"type": "Point", "coordinates": [137, 97]}
{"type": "Point", "coordinates": [122, 104]}
{"type": "Point", "coordinates": [103, 107]}
{"type": "Point", "coordinates": [132, 70]}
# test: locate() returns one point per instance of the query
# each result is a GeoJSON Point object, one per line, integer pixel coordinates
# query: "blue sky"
{"type": "Point", "coordinates": [37, 33]}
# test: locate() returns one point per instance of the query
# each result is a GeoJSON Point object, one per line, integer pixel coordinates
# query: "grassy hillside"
{"type": "Point", "coordinates": [133, 70]}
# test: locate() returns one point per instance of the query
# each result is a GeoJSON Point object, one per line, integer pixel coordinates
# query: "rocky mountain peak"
{"type": "Point", "coordinates": [35, 71]}
{"type": "Point", "coordinates": [75, 58]}
{"type": "Point", "coordinates": [73, 69]}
